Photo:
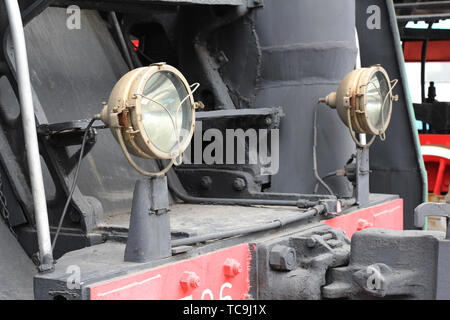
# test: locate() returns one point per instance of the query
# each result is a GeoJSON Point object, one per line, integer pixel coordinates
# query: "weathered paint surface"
{"type": "Point", "coordinates": [205, 275]}
{"type": "Point", "coordinates": [388, 215]}
{"type": "Point", "coordinates": [164, 283]}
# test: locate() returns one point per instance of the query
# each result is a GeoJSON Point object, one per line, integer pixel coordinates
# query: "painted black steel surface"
{"type": "Point", "coordinates": [396, 164]}
{"type": "Point", "coordinates": [73, 72]}
{"type": "Point", "coordinates": [307, 49]}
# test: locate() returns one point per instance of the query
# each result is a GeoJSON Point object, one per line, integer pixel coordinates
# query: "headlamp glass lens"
{"type": "Point", "coordinates": [377, 90]}
{"type": "Point", "coordinates": [164, 92]}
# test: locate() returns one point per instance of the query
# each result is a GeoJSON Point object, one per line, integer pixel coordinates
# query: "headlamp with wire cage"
{"type": "Point", "coordinates": [151, 113]}
{"type": "Point", "coordinates": [363, 101]}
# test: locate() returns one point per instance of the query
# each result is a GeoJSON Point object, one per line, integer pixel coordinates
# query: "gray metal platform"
{"type": "Point", "coordinates": [195, 219]}
{"type": "Point", "coordinates": [105, 261]}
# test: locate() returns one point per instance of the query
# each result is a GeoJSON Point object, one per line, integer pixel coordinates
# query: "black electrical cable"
{"type": "Point", "coordinates": [74, 183]}
{"type": "Point", "coordinates": [278, 223]}
{"type": "Point", "coordinates": [301, 203]}
{"type": "Point", "coordinates": [184, 196]}
{"type": "Point", "coordinates": [171, 175]}
{"type": "Point", "coordinates": [316, 173]}
{"type": "Point", "coordinates": [228, 201]}
{"type": "Point", "coordinates": [328, 175]}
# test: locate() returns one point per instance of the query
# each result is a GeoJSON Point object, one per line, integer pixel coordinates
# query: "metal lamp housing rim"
{"type": "Point", "coordinates": [352, 92]}
{"type": "Point", "coordinates": [124, 111]}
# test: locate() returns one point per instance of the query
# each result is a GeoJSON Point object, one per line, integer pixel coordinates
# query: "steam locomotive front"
{"type": "Point", "coordinates": [218, 104]}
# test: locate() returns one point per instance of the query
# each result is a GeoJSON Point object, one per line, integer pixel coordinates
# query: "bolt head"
{"type": "Point", "coordinates": [239, 184]}
{"type": "Point", "coordinates": [311, 242]}
{"type": "Point", "coordinates": [206, 182]}
{"type": "Point", "coordinates": [189, 280]}
{"type": "Point", "coordinates": [231, 267]}
{"type": "Point", "coordinates": [282, 258]}
{"type": "Point", "coordinates": [363, 224]}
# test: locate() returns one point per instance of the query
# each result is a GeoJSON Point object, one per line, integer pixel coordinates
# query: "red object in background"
{"type": "Point", "coordinates": [435, 139]}
{"type": "Point", "coordinates": [135, 44]}
{"type": "Point", "coordinates": [438, 167]}
{"type": "Point", "coordinates": [438, 173]}
{"type": "Point", "coordinates": [437, 51]}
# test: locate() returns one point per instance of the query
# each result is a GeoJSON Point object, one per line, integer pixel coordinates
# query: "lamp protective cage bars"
{"type": "Point", "coordinates": [363, 101]}
{"type": "Point", "coordinates": [151, 113]}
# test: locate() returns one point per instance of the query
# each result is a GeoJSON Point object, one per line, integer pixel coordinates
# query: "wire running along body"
{"type": "Point", "coordinates": [74, 183]}
{"type": "Point", "coordinates": [316, 172]}
{"type": "Point", "coordinates": [277, 223]}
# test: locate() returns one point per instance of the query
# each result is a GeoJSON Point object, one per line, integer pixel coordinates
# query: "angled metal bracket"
{"type": "Point", "coordinates": [432, 209]}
